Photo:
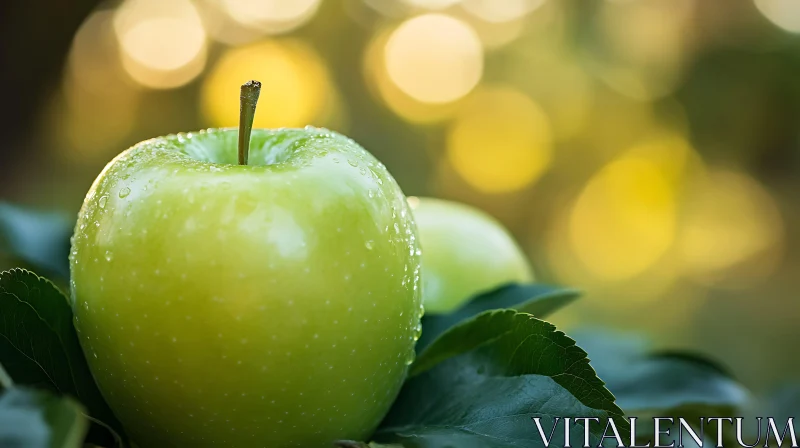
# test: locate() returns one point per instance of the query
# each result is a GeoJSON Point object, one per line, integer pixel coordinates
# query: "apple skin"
{"type": "Point", "coordinates": [275, 304]}
{"type": "Point", "coordinates": [464, 252]}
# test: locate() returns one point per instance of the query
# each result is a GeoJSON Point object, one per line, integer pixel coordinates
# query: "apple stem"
{"type": "Point", "coordinates": [247, 112]}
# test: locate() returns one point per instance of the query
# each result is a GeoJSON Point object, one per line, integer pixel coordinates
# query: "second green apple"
{"type": "Point", "coordinates": [464, 252]}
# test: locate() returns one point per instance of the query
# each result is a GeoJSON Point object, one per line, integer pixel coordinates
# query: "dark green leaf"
{"type": "Point", "coordinates": [481, 383]}
{"type": "Point", "coordinates": [780, 404]}
{"type": "Point", "coordinates": [38, 343]}
{"type": "Point", "coordinates": [38, 238]}
{"type": "Point", "coordinates": [354, 444]}
{"type": "Point", "coordinates": [538, 300]}
{"type": "Point", "coordinates": [785, 403]}
{"type": "Point", "coordinates": [667, 383]}
{"type": "Point", "coordinates": [39, 419]}
{"type": "Point", "coordinates": [5, 379]}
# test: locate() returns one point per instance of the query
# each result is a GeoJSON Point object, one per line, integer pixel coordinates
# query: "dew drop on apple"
{"type": "Point", "coordinates": [410, 358]}
{"type": "Point", "coordinates": [124, 193]}
{"type": "Point", "coordinates": [417, 331]}
{"type": "Point", "coordinates": [369, 244]}
{"type": "Point", "coordinates": [109, 255]}
{"type": "Point", "coordinates": [103, 200]}
{"type": "Point", "coordinates": [352, 162]}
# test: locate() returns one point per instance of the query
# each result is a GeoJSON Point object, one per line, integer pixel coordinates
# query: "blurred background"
{"type": "Point", "coordinates": [646, 151]}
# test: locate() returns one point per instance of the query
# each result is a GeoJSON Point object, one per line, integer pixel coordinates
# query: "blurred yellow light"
{"type": "Point", "coordinates": [163, 43]}
{"type": "Point", "coordinates": [93, 62]}
{"type": "Point", "coordinates": [731, 219]}
{"type": "Point", "coordinates": [295, 87]}
{"type": "Point", "coordinates": [646, 46]}
{"type": "Point", "coordinates": [96, 108]}
{"type": "Point", "coordinates": [398, 101]}
{"type": "Point", "coordinates": [223, 28]}
{"type": "Point", "coordinates": [271, 16]}
{"type": "Point", "coordinates": [624, 220]}
{"type": "Point", "coordinates": [493, 35]}
{"type": "Point", "coordinates": [783, 13]}
{"type": "Point", "coordinates": [637, 83]}
{"type": "Point", "coordinates": [568, 268]}
{"type": "Point", "coordinates": [501, 10]}
{"type": "Point", "coordinates": [94, 126]}
{"type": "Point", "coordinates": [432, 4]}
{"type": "Point", "coordinates": [501, 141]}
{"type": "Point", "coordinates": [434, 58]}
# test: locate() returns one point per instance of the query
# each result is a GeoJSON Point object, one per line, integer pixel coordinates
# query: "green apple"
{"type": "Point", "coordinates": [465, 252]}
{"type": "Point", "coordinates": [271, 304]}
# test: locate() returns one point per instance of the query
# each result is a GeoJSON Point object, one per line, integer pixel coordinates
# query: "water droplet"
{"type": "Point", "coordinates": [103, 200]}
{"type": "Point", "coordinates": [109, 255]}
{"type": "Point", "coordinates": [369, 244]}
{"type": "Point", "coordinates": [124, 192]}
{"type": "Point", "coordinates": [417, 331]}
{"type": "Point", "coordinates": [352, 162]}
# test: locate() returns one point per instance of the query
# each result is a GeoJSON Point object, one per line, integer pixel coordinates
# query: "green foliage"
{"type": "Point", "coordinates": [673, 383]}
{"type": "Point", "coordinates": [538, 300]}
{"type": "Point", "coordinates": [482, 373]}
{"type": "Point", "coordinates": [481, 382]}
{"type": "Point", "coordinates": [39, 345]}
{"type": "Point", "coordinates": [31, 418]}
{"type": "Point", "coordinates": [39, 239]}
{"type": "Point", "coordinates": [354, 444]}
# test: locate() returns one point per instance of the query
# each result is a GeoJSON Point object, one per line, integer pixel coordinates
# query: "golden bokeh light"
{"type": "Point", "coordinates": [733, 230]}
{"type": "Point", "coordinates": [93, 61]}
{"type": "Point", "coordinates": [398, 101]}
{"type": "Point", "coordinates": [675, 158]}
{"type": "Point", "coordinates": [96, 108]}
{"type": "Point", "coordinates": [783, 13]}
{"type": "Point", "coordinates": [645, 46]}
{"type": "Point", "coordinates": [500, 141]}
{"type": "Point", "coordinates": [498, 11]}
{"type": "Point", "coordinates": [432, 4]}
{"type": "Point", "coordinates": [493, 35]}
{"type": "Point", "coordinates": [271, 16]}
{"type": "Point", "coordinates": [434, 58]}
{"type": "Point", "coordinates": [624, 220]}
{"type": "Point", "coordinates": [567, 268]}
{"type": "Point", "coordinates": [163, 43]}
{"type": "Point", "coordinates": [614, 123]}
{"type": "Point", "coordinates": [555, 77]}
{"type": "Point", "coordinates": [295, 85]}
